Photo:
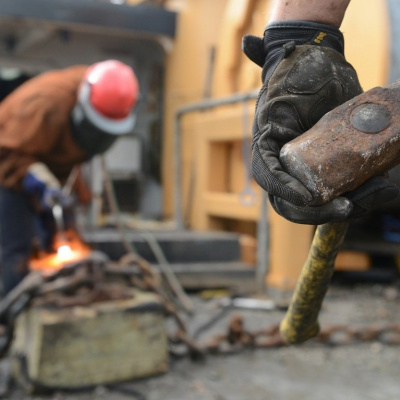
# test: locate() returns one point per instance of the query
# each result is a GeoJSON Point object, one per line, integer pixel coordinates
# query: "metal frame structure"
{"type": "Point", "coordinates": [262, 226]}
{"type": "Point", "coordinates": [140, 18]}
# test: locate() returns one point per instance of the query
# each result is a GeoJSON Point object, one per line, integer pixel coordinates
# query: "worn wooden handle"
{"type": "Point", "coordinates": [301, 320]}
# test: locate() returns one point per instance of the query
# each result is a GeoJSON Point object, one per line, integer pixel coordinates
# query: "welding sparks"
{"type": "Point", "coordinates": [69, 249]}
{"type": "Point", "coordinates": [64, 253]}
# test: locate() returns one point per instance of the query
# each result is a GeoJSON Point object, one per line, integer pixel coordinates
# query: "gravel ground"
{"type": "Point", "coordinates": [312, 371]}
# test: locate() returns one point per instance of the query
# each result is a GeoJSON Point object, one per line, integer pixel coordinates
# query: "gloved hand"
{"type": "Point", "coordinates": [40, 183]}
{"type": "Point", "coordinates": [52, 196]}
{"type": "Point", "coordinates": [304, 76]}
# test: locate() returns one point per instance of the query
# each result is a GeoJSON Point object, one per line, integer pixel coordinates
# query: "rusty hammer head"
{"type": "Point", "coordinates": [352, 143]}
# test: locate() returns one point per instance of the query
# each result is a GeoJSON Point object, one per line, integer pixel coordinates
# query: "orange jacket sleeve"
{"type": "Point", "coordinates": [35, 126]}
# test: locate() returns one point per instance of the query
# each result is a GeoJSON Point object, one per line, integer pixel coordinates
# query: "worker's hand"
{"type": "Point", "coordinates": [40, 183]}
{"type": "Point", "coordinates": [368, 197]}
{"type": "Point", "coordinates": [305, 75]}
{"type": "Point", "coordinates": [53, 196]}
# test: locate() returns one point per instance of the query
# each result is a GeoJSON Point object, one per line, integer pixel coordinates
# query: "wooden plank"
{"type": "Point", "coordinates": [228, 205]}
{"type": "Point", "coordinates": [218, 172]}
{"type": "Point", "coordinates": [248, 248]}
{"type": "Point", "coordinates": [188, 174]}
{"type": "Point", "coordinates": [224, 124]}
{"type": "Point", "coordinates": [105, 342]}
{"type": "Point", "coordinates": [219, 136]}
{"type": "Point", "coordinates": [240, 168]}
{"type": "Point", "coordinates": [198, 216]}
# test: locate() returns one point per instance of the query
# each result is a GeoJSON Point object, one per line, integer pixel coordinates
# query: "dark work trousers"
{"type": "Point", "coordinates": [19, 224]}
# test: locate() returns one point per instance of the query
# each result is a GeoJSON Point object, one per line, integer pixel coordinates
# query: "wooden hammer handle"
{"type": "Point", "coordinates": [301, 320]}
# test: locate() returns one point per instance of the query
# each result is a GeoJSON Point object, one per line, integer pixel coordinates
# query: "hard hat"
{"type": "Point", "coordinates": [104, 110]}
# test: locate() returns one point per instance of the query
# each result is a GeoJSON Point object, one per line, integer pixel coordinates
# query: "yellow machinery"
{"type": "Point", "coordinates": [206, 63]}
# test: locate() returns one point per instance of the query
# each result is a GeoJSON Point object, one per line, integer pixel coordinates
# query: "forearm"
{"type": "Point", "coordinates": [330, 12]}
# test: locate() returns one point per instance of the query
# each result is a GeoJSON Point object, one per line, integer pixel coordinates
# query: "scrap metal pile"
{"type": "Point", "coordinates": [94, 278]}
{"type": "Point", "coordinates": [90, 279]}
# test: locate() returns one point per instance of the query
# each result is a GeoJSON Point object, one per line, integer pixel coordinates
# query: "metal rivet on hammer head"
{"type": "Point", "coordinates": [370, 118]}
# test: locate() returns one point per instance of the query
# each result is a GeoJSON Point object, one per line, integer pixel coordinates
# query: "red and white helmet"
{"type": "Point", "coordinates": [104, 109]}
{"type": "Point", "coordinates": [108, 94]}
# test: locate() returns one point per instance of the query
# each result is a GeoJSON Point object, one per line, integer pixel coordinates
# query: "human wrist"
{"type": "Point", "coordinates": [41, 172]}
{"type": "Point", "coordinates": [326, 12]}
{"type": "Point", "coordinates": [37, 178]}
{"type": "Point", "coordinates": [278, 33]}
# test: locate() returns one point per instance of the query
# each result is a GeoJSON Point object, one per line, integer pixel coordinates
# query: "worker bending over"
{"type": "Point", "coordinates": [304, 75]}
{"type": "Point", "coordinates": [48, 125]}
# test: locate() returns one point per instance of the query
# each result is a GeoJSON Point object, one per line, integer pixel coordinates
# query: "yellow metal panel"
{"type": "Point", "coordinates": [366, 29]}
{"type": "Point", "coordinates": [205, 160]}
{"type": "Point", "coordinates": [198, 28]}
{"type": "Point", "coordinates": [228, 205]}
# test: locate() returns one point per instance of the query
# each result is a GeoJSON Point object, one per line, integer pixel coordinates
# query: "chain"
{"type": "Point", "coordinates": [238, 338]}
{"type": "Point", "coordinates": [91, 280]}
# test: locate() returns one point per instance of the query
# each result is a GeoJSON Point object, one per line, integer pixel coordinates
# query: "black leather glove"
{"type": "Point", "coordinates": [304, 76]}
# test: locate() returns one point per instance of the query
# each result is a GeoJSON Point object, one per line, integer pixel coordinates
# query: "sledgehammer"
{"type": "Point", "coordinates": [352, 143]}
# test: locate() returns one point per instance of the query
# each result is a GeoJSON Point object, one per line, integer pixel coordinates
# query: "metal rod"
{"type": "Point", "coordinates": [72, 177]}
{"type": "Point", "coordinates": [394, 15]}
{"type": "Point", "coordinates": [58, 215]}
{"type": "Point", "coordinates": [262, 245]}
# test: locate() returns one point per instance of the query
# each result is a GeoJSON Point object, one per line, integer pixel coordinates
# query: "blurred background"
{"type": "Point", "coordinates": [184, 196]}
{"type": "Point", "coordinates": [186, 167]}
